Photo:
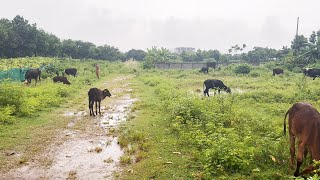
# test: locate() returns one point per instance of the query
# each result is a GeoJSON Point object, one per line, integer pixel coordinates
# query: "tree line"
{"type": "Point", "coordinates": [19, 38]}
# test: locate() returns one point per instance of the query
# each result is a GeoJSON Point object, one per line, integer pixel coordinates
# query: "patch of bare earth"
{"type": "Point", "coordinates": [87, 148]}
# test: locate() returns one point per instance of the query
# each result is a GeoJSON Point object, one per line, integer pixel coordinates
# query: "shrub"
{"type": "Point", "coordinates": [6, 116]}
{"type": "Point", "coordinates": [254, 74]}
{"type": "Point", "coordinates": [242, 69]}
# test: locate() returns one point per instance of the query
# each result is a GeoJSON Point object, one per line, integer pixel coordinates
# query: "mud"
{"type": "Point", "coordinates": [117, 113]}
{"type": "Point", "coordinates": [83, 154]}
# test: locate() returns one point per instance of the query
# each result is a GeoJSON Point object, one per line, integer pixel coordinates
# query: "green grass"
{"type": "Point", "coordinates": [174, 132]}
{"type": "Point", "coordinates": [228, 136]}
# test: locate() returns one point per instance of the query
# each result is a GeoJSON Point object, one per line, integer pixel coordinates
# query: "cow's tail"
{"type": "Point", "coordinates": [284, 122]}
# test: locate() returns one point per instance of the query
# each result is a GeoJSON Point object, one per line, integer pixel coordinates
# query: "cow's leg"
{"type": "Point", "coordinates": [206, 92]}
{"type": "Point", "coordinates": [292, 148]}
{"type": "Point", "coordinates": [91, 108]}
{"type": "Point", "coordinates": [300, 154]}
{"type": "Point", "coordinates": [99, 107]}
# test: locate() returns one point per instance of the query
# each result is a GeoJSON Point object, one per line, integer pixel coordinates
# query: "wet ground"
{"type": "Point", "coordinates": [92, 153]}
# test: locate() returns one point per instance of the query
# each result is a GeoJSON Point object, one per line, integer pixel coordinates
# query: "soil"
{"type": "Point", "coordinates": [88, 147]}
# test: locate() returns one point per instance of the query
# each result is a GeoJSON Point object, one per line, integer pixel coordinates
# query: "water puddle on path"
{"type": "Point", "coordinates": [94, 158]}
{"type": "Point", "coordinates": [117, 113]}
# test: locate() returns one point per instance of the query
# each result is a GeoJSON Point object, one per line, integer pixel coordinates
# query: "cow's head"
{"type": "Point", "coordinates": [228, 90]}
{"type": "Point", "coordinates": [306, 71]}
{"type": "Point", "coordinates": [106, 93]}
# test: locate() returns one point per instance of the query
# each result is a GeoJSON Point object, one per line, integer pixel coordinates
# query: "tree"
{"type": "Point", "coordinates": [260, 54]}
{"type": "Point", "coordinates": [155, 55]}
{"type": "Point", "coordinates": [313, 38]}
{"type": "Point", "coordinates": [298, 43]}
{"type": "Point", "coordinates": [136, 54]}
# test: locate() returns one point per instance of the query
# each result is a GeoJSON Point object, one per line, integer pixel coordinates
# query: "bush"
{"type": "Point", "coordinates": [254, 74]}
{"type": "Point", "coordinates": [6, 116]}
{"type": "Point", "coordinates": [242, 69]}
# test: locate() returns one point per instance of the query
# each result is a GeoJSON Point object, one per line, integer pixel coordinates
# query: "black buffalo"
{"type": "Point", "coordinates": [32, 74]}
{"type": "Point", "coordinates": [62, 79]}
{"type": "Point", "coordinates": [215, 84]}
{"type": "Point", "coordinates": [96, 96]}
{"type": "Point", "coordinates": [312, 72]}
{"type": "Point", "coordinates": [277, 71]}
{"type": "Point", "coordinates": [204, 70]}
{"type": "Point", "coordinates": [71, 71]}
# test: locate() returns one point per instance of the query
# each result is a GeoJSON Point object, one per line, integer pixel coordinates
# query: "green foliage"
{"type": "Point", "coordinates": [6, 115]}
{"type": "Point", "coordinates": [156, 55]}
{"type": "Point", "coordinates": [254, 74]}
{"type": "Point", "coordinates": [228, 136]}
{"type": "Point", "coordinates": [242, 69]}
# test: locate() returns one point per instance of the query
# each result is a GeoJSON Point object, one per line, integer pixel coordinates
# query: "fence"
{"type": "Point", "coordinates": [15, 74]}
{"type": "Point", "coordinates": [184, 65]}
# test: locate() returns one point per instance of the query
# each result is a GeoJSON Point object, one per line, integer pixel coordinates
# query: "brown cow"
{"type": "Point", "coordinates": [304, 123]}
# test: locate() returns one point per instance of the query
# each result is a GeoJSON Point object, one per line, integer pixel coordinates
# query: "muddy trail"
{"type": "Point", "coordinates": [88, 147]}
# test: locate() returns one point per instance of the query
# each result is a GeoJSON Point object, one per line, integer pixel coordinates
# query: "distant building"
{"type": "Point", "coordinates": [179, 50]}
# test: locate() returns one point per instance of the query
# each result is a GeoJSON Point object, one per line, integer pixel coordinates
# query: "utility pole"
{"type": "Point", "coordinates": [296, 39]}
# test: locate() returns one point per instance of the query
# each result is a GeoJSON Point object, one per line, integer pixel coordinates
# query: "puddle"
{"type": "Point", "coordinates": [78, 114]}
{"type": "Point", "coordinates": [85, 162]}
{"type": "Point", "coordinates": [117, 112]}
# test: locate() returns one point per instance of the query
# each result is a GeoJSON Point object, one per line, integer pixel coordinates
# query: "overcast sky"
{"type": "Point", "coordinates": [141, 24]}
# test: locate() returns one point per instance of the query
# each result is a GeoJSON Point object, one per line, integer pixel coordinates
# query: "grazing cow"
{"type": "Point", "coordinates": [96, 95]}
{"type": "Point", "coordinates": [62, 79]}
{"type": "Point", "coordinates": [304, 123]}
{"type": "Point", "coordinates": [277, 71]}
{"type": "Point", "coordinates": [204, 70]}
{"type": "Point", "coordinates": [71, 71]}
{"type": "Point", "coordinates": [216, 85]}
{"type": "Point", "coordinates": [311, 72]}
{"type": "Point", "coordinates": [32, 74]}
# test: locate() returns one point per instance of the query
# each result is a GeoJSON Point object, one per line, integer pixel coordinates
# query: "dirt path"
{"type": "Point", "coordinates": [87, 148]}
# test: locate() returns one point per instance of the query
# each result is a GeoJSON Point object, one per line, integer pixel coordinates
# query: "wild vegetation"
{"type": "Point", "coordinates": [179, 133]}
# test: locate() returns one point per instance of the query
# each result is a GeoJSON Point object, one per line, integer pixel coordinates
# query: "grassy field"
{"type": "Point", "coordinates": [179, 134]}
{"type": "Point", "coordinates": [174, 132]}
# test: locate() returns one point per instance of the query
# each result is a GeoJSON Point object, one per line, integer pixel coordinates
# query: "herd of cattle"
{"type": "Point", "coordinates": [36, 75]}
{"type": "Point", "coordinates": [304, 119]}
{"type": "Point", "coordinates": [95, 95]}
